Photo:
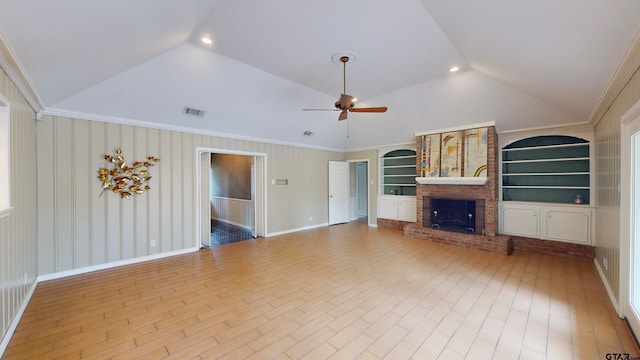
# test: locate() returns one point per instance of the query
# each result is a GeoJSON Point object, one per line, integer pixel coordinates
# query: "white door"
{"type": "Point", "coordinates": [630, 218]}
{"type": "Point", "coordinates": [338, 192]}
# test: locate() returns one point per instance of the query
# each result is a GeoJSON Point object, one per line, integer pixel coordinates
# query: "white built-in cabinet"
{"type": "Point", "coordinates": [396, 207]}
{"type": "Point", "coordinates": [397, 198]}
{"type": "Point", "coordinates": [567, 223]}
{"type": "Point", "coordinates": [543, 173]}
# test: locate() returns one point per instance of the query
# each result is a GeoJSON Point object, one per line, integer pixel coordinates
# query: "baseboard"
{"type": "Point", "coordinates": [603, 278]}
{"type": "Point", "coordinates": [297, 229]}
{"type": "Point", "coordinates": [88, 269]}
{"type": "Point", "coordinates": [16, 319]}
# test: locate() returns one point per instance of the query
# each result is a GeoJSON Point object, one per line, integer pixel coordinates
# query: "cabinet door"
{"type": "Point", "coordinates": [568, 225]}
{"type": "Point", "coordinates": [388, 208]}
{"type": "Point", "coordinates": [407, 210]}
{"type": "Point", "coordinates": [520, 221]}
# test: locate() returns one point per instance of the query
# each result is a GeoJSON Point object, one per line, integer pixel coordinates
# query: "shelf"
{"type": "Point", "coordinates": [544, 187]}
{"type": "Point", "coordinates": [543, 160]}
{"type": "Point", "coordinates": [546, 174]}
{"type": "Point", "coordinates": [453, 180]}
{"type": "Point", "coordinates": [546, 147]}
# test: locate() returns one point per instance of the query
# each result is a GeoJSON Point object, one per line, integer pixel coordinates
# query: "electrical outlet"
{"type": "Point", "coordinates": [310, 218]}
{"type": "Point", "coordinates": [605, 264]}
{"type": "Point", "coordinates": [153, 243]}
{"type": "Point", "coordinates": [26, 279]}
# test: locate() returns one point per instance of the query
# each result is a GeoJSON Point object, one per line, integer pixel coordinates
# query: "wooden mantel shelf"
{"type": "Point", "coordinates": [452, 180]}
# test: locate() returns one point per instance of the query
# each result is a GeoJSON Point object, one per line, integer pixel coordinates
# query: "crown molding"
{"type": "Point", "coordinates": [10, 64]}
{"type": "Point", "coordinates": [628, 66]}
{"type": "Point", "coordinates": [188, 130]}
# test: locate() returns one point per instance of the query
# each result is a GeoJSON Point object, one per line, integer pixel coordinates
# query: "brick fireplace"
{"type": "Point", "coordinates": [485, 238]}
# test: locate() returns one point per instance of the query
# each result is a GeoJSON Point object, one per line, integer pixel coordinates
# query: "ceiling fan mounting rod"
{"type": "Point", "coordinates": [345, 60]}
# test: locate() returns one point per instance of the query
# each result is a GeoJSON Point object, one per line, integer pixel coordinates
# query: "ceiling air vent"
{"type": "Point", "coordinates": [307, 133]}
{"type": "Point", "coordinates": [193, 111]}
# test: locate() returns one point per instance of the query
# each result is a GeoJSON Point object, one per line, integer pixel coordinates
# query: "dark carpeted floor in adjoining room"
{"type": "Point", "coordinates": [225, 233]}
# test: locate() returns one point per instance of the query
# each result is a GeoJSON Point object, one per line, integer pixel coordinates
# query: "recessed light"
{"type": "Point", "coordinates": [206, 40]}
{"type": "Point", "coordinates": [454, 69]}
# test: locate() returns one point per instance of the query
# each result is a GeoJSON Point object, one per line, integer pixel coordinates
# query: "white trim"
{"type": "Point", "coordinates": [159, 126]}
{"type": "Point", "coordinates": [283, 232]}
{"type": "Point", "coordinates": [612, 298]}
{"type": "Point", "coordinates": [9, 62]}
{"type": "Point", "coordinates": [16, 319]}
{"type": "Point", "coordinates": [452, 180]}
{"type": "Point", "coordinates": [114, 264]}
{"type": "Point", "coordinates": [457, 128]}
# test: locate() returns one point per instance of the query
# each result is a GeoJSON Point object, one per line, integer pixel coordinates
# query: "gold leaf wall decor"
{"type": "Point", "coordinates": [125, 179]}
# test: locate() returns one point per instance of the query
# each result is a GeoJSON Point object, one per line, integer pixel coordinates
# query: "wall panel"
{"type": "Point", "coordinates": [98, 209]}
{"type": "Point", "coordinates": [82, 204]}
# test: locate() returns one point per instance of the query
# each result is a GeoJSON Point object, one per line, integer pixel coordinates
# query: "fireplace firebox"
{"type": "Point", "coordinates": [457, 215]}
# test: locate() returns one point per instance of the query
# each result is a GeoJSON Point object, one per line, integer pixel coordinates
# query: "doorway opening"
{"type": "Point", "coordinates": [232, 196]}
{"type": "Point", "coordinates": [359, 191]}
{"type": "Point", "coordinates": [348, 191]}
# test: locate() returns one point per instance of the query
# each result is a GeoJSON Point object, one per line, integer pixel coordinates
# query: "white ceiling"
{"type": "Point", "coordinates": [523, 64]}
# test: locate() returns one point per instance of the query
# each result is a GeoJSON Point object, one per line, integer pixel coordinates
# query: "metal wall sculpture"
{"type": "Point", "coordinates": [125, 179]}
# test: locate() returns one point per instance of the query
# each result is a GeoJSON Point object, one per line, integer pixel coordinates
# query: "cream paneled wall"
{"type": "Point", "coordinates": [608, 160]}
{"type": "Point", "coordinates": [78, 228]}
{"type": "Point", "coordinates": [18, 251]}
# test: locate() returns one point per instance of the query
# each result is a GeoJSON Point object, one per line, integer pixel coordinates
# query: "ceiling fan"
{"type": "Point", "coordinates": [346, 102]}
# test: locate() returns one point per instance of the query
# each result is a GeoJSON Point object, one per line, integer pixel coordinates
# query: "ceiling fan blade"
{"type": "Point", "coordinates": [343, 115]}
{"type": "Point", "coordinates": [320, 109]}
{"type": "Point", "coordinates": [370, 109]}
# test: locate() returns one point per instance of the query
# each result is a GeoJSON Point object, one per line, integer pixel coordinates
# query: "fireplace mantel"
{"type": "Point", "coordinates": [452, 180]}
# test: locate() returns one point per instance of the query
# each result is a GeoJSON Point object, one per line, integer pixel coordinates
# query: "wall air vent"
{"type": "Point", "coordinates": [193, 111]}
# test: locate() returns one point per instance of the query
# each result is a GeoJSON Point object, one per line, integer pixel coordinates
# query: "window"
{"type": "Point", "coordinates": [5, 158]}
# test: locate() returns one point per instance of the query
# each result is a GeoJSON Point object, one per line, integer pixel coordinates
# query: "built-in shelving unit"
{"type": "Point", "coordinates": [398, 171]}
{"type": "Point", "coordinates": [549, 169]}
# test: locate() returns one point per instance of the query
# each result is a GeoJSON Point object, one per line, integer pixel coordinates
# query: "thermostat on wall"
{"type": "Point", "coordinates": [280, 181]}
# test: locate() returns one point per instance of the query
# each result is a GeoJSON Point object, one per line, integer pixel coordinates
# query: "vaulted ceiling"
{"type": "Point", "coordinates": [522, 64]}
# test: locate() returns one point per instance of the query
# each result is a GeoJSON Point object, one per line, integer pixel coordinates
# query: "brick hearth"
{"type": "Point", "coordinates": [500, 244]}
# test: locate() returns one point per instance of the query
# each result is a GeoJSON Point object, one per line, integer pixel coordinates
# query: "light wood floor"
{"type": "Point", "coordinates": [342, 292]}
